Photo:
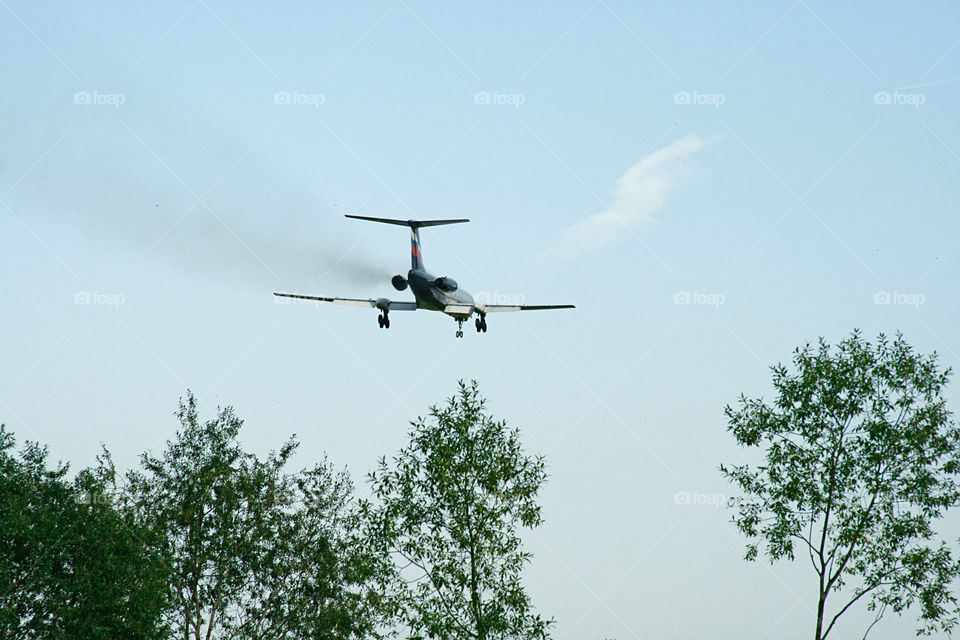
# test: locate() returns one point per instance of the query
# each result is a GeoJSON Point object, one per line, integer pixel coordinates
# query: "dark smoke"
{"type": "Point", "coordinates": [252, 225]}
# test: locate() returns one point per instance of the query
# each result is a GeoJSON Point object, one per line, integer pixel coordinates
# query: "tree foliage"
{"type": "Point", "coordinates": [257, 552]}
{"type": "Point", "coordinates": [449, 505]}
{"type": "Point", "coordinates": [73, 561]}
{"type": "Point", "coordinates": [861, 460]}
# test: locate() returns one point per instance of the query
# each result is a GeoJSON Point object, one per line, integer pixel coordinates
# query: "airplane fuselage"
{"type": "Point", "coordinates": [430, 296]}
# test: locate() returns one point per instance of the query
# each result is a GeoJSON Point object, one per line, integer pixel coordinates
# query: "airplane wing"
{"type": "Point", "coordinates": [467, 309]}
{"type": "Point", "coordinates": [379, 303]}
{"type": "Point", "coordinates": [494, 308]}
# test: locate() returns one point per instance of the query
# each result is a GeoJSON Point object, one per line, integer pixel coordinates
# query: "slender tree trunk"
{"type": "Point", "coordinates": [820, 607]}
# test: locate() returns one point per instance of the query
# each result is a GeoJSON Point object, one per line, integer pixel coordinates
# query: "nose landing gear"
{"type": "Point", "coordinates": [460, 327]}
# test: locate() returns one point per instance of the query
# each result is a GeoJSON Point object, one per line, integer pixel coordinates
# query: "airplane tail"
{"type": "Point", "coordinates": [416, 257]}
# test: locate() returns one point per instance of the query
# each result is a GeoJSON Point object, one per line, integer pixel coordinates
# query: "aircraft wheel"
{"type": "Point", "coordinates": [483, 326]}
{"type": "Point", "coordinates": [459, 334]}
{"type": "Point", "coordinates": [478, 325]}
{"type": "Point", "coordinates": [380, 320]}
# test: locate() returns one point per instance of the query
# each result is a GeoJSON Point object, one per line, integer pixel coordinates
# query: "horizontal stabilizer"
{"type": "Point", "coordinates": [416, 224]}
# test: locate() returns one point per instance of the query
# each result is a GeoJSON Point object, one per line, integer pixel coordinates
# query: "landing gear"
{"type": "Point", "coordinates": [383, 320]}
{"type": "Point", "coordinates": [460, 327]}
{"type": "Point", "coordinates": [481, 323]}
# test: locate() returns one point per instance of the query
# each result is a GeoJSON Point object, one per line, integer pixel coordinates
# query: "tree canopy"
{"type": "Point", "coordinates": [861, 458]}
{"type": "Point", "coordinates": [257, 552]}
{"type": "Point", "coordinates": [74, 563]}
{"type": "Point", "coordinates": [208, 541]}
{"type": "Point", "coordinates": [449, 505]}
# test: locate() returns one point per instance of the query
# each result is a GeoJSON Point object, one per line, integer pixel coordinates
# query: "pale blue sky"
{"type": "Point", "coordinates": [799, 195]}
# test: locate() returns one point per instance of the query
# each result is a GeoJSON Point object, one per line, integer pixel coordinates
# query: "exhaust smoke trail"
{"type": "Point", "coordinates": [252, 227]}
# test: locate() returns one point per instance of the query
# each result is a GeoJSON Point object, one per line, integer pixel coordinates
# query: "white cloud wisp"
{"type": "Point", "coordinates": [639, 194]}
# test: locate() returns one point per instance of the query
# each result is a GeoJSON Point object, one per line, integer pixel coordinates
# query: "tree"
{"type": "Point", "coordinates": [449, 506]}
{"type": "Point", "coordinates": [73, 563]}
{"type": "Point", "coordinates": [257, 552]}
{"type": "Point", "coordinates": [861, 461]}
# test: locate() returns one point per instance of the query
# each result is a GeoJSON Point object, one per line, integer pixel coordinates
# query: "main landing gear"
{"type": "Point", "coordinates": [383, 320]}
{"type": "Point", "coordinates": [480, 323]}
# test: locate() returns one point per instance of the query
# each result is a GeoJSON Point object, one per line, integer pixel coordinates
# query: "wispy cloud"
{"type": "Point", "coordinates": [639, 194]}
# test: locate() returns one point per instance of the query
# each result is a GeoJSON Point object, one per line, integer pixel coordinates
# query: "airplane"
{"type": "Point", "coordinates": [431, 293]}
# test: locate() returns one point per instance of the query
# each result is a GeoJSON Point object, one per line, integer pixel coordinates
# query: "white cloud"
{"type": "Point", "coordinates": [639, 194]}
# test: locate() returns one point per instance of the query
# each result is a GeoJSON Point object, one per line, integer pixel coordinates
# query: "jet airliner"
{"type": "Point", "coordinates": [430, 292]}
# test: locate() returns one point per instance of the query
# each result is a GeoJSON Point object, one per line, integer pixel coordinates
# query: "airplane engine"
{"type": "Point", "coordinates": [399, 282]}
{"type": "Point", "coordinates": [446, 284]}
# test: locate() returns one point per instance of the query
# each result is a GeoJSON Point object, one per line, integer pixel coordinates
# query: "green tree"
{"type": "Point", "coordinates": [257, 552]}
{"type": "Point", "coordinates": [449, 506]}
{"type": "Point", "coordinates": [73, 562]}
{"type": "Point", "coordinates": [861, 460]}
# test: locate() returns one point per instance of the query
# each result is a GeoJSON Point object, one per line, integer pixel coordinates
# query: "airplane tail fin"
{"type": "Point", "coordinates": [416, 257]}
